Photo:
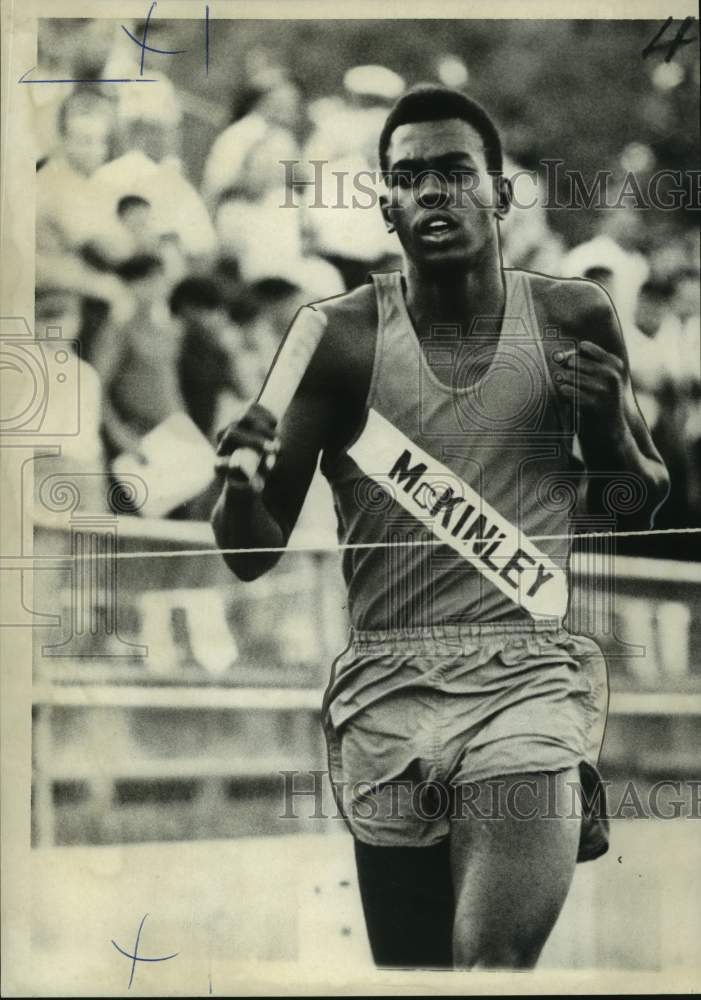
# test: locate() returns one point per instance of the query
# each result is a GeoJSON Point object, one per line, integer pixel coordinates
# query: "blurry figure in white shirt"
{"type": "Point", "coordinates": [649, 364]}
{"type": "Point", "coordinates": [527, 240]}
{"type": "Point", "coordinates": [67, 49]}
{"type": "Point", "coordinates": [245, 178]}
{"type": "Point", "coordinates": [342, 222]}
{"type": "Point", "coordinates": [680, 332]}
{"type": "Point", "coordinates": [628, 270]}
{"type": "Point", "coordinates": [149, 122]}
{"type": "Point", "coordinates": [247, 156]}
{"type": "Point", "coordinates": [175, 203]}
{"type": "Point", "coordinates": [73, 206]}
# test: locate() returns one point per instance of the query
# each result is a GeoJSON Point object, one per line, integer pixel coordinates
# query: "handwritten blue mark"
{"type": "Point", "coordinates": [136, 957]}
{"type": "Point", "coordinates": [146, 26]}
{"type": "Point", "coordinates": [148, 48]}
{"type": "Point", "coordinates": [141, 79]}
{"type": "Point", "coordinates": [142, 44]}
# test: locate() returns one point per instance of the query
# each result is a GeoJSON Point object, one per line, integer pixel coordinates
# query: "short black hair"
{"type": "Point", "coordinates": [657, 288]}
{"type": "Point", "coordinates": [273, 289]}
{"type": "Point", "coordinates": [598, 272]}
{"type": "Point", "coordinates": [131, 201]}
{"type": "Point", "coordinates": [431, 103]}
{"type": "Point", "coordinates": [685, 272]}
{"type": "Point", "coordinates": [140, 266]}
{"type": "Point", "coordinates": [200, 293]}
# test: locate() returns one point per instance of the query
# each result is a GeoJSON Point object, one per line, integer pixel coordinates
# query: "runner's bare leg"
{"type": "Point", "coordinates": [511, 875]}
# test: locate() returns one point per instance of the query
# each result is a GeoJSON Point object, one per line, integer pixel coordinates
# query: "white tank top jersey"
{"type": "Point", "coordinates": [452, 451]}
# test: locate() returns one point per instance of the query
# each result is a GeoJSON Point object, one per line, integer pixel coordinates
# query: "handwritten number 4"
{"type": "Point", "coordinates": [676, 43]}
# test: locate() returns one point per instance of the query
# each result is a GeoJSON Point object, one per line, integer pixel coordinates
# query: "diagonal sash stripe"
{"type": "Point", "coordinates": [461, 518]}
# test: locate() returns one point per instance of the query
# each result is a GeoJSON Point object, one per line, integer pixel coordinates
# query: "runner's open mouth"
{"type": "Point", "coordinates": [437, 226]}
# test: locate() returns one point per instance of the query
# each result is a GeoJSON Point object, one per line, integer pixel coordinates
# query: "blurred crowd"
{"type": "Point", "coordinates": [179, 291]}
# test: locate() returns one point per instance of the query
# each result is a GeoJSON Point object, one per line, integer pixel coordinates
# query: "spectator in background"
{"type": "Point", "coordinates": [246, 157]}
{"type": "Point", "coordinates": [644, 310]}
{"type": "Point", "coordinates": [73, 206]}
{"type": "Point", "coordinates": [150, 169]}
{"type": "Point", "coordinates": [654, 305]}
{"type": "Point", "coordinates": [686, 304]}
{"type": "Point", "coordinates": [68, 49]}
{"type": "Point", "coordinates": [280, 287]}
{"type": "Point", "coordinates": [665, 360]}
{"type": "Point", "coordinates": [692, 434]}
{"type": "Point", "coordinates": [211, 386]}
{"type": "Point", "coordinates": [86, 124]}
{"type": "Point", "coordinates": [79, 239]}
{"type": "Point", "coordinates": [175, 264]}
{"type": "Point", "coordinates": [245, 179]}
{"type": "Point", "coordinates": [602, 276]}
{"type": "Point", "coordinates": [351, 237]}
{"type": "Point", "coordinates": [247, 228]}
{"type": "Point", "coordinates": [649, 367]}
{"type": "Point", "coordinates": [62, 308]}
{"type": "Point", "coordinates": [147, 429]}
{"type": "Point", "coordinates": [136, 216]}
{"type": "Point", "coordinates": [527, 240]}
{"type": "Point", "coordinates": [176, 205]}
{"type": "Point", "coordinates": [138, 367]}
{"type": "Point", "coordinates": [628, 270]}
{"type": "Point", "coordinates": [680, 333]}
{"type": "Point", "coordinates": [240, 303]}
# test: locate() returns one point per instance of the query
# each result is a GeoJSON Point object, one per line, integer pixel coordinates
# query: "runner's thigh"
{"type": "Point", "coordinates": [513, 855]}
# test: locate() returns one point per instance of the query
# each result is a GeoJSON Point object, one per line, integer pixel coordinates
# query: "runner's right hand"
{"type": "Point", "coordinates": [255, 430]}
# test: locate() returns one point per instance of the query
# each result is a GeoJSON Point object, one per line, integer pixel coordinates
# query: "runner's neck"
{"type": "Point", "coordinates": [453, 298]}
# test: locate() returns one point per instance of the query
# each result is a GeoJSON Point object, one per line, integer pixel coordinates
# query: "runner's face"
{"type": "Point", "coordinates": [441, 200]}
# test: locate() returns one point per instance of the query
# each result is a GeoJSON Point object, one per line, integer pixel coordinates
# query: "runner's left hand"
{"type": "Point", "coordinates": [596, 380]}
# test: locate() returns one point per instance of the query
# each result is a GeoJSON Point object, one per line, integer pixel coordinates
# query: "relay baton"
{"type": "Point", "coordinates": [281, 384]}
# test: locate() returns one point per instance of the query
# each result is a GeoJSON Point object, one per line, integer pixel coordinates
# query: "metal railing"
{"type": "Point", "coordinates": [145, 632]}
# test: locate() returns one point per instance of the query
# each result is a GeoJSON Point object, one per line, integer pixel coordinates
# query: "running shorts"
{"type": "Point", "coordinates": [413, 718]}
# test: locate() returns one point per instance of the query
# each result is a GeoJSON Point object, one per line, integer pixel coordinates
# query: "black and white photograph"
{"type": "Point", "coordinates": [351, 492]}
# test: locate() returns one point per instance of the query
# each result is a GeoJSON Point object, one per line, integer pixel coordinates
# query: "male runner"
{"type": "Point", "coordinates": [444, 402]}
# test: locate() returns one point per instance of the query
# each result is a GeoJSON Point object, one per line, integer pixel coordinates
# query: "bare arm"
{"type": "Point", "coordinates": [246, 517]}
{"type": "Point", "coordinates": [612, 432]}
{"type": "Point", "coordinates": [327, 410]}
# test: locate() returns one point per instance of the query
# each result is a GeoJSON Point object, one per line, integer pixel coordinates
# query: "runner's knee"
{"type": "Point", "coordinates": [496, 954]}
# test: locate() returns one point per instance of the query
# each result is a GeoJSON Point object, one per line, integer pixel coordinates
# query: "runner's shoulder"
{"type": "Point", "coordinates": [568, 299]}
{"type": "Point", "coordinates": [348, 344]}
{"type": "Point", "coordinates": [580, 307]}
{"type": "Point", "coordinates": [349, 311]}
